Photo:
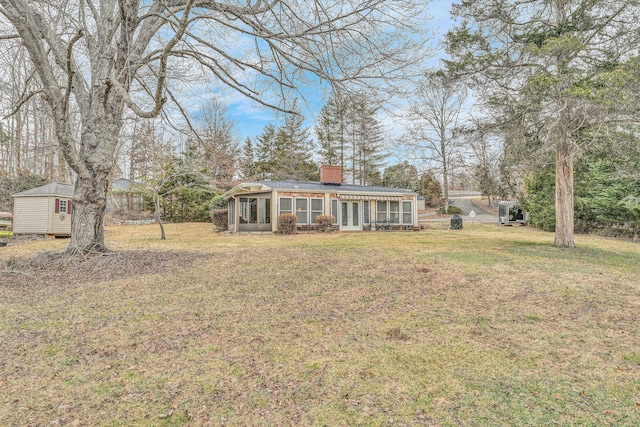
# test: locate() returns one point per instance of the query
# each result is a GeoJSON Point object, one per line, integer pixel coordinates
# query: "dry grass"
{"type": "Point", "coordinates": [486, 327]}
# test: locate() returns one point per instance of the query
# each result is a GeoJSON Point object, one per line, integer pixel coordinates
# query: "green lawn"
{"type": "Point", "coordinates": [485, 327]}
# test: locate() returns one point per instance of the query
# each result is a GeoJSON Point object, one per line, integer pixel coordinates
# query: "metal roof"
{"type": "Point", "coordinates": [54, 189]}
{"type": "Point", "coordinates": [290, 185]}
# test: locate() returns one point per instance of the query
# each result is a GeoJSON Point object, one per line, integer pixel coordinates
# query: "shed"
{"type": "Point", "coordinates": [124, 195]}
{"type": "Point", "coordinates": [422, 203]}
{"type": "Point", "coordinates": [43, 210]}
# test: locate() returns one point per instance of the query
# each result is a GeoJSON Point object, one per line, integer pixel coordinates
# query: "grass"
{"type": "Point", "coordinates": [491, 326]}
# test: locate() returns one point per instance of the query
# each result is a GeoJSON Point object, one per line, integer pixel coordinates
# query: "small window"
{"type": "Point", "coordinates": [381, 211]}
{"type": "Point", "coordinates": [231, 206]}
{"type": "Point", "coordinates": [267, 211]}
{"type": "Point", "coordinates": [302, 211]}
{"type": "Point", "coordinates": [317, 208]}
{"type": "Point", "coordinates": [334, 210]}
{"type": "Point", "coordinates": [63, 206]}
{"type": "Point", "coordinates": [365, 212]}
{"type": "Point", "coordinates": [286, 205]}
{"type": "Point", "coordinates": [394, 212]}
{"type": "Point", "coordinates": [407, 212]}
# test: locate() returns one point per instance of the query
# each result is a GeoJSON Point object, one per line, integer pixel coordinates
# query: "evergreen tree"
{"type": "Point", "coordinates": [556, 71]}
{"type": "Point", "coordinates": [248, 161]}
{"type": "Point", "coordinates": [330, 131]}
{"type": "Point", "coordinates": [431, 189]}
{"type": "Point", "coordinates": [286, 152]}
{"type": "Point", "coordinates": [294, 148]}
{"type": "Point", "coordinates": [350, 136]}
{"type": "Point", "coordinates": [368, 142]}
{"type": "Point", "coordinates": [265, 154]}
{"type": "Point", "coordinates": [402, 175]}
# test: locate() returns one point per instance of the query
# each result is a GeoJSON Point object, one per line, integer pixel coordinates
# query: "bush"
{"type": "Point", "coordinates": [452, 210]}
{"type": "Point", "coordinates": [287, 223]}
{"type": "Point", "coordinates": [325, 223]}
{"type": "Point", "coordinates": [220, 219]}
{"type": "Point", "coordinates": [217, 203]}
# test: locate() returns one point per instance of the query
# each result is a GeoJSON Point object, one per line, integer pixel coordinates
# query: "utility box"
{"type": "Point", "coordinates": [456, 222]}
{"type": "Point", "coordinates": [510, 213]}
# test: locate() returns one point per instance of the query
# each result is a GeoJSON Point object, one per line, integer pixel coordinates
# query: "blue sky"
{"type": "Point", "coordinates": [251, 118]}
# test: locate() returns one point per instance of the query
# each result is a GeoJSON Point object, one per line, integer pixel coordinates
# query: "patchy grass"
{"type": "Point", "coordinates": [492, 326]}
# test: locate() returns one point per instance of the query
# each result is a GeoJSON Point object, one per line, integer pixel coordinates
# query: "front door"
{"type": "Point", "coordinates": [350, 216]}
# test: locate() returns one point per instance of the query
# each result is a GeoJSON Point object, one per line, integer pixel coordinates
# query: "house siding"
{"type": "Point", "coordinates": [31, 215]}
{"type": "Point", "coordinates": [328, 193]}
{"type": "Point", "coordinates": [60, 223]}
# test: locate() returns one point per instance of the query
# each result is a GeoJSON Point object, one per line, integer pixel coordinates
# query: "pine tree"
{"type": "Point", "coordinates": [330, 132]}
{"type": "Point", "coordinates": [350, 136]}
{"type": "Point", "coordinates": [265, 152]}
{"type": "Point", "coordinates": [248, 160]}
{"type": "Point", "coordinates": [286, 152]}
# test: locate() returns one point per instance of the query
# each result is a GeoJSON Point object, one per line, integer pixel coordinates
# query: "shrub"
{"type": "Point", "coordinates": [287, 223]}
{"type": "Point", "coordinates": [325, 223]}
{"type": "Point", "coordinates": [220, 219]}
{"type": "Point", "coordinates": [217, 203]}
{"type": "Point", "coordinates": [452, 210]}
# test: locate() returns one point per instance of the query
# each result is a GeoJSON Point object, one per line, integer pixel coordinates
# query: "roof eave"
{"type": "Point", "coordinates": [246, 187]}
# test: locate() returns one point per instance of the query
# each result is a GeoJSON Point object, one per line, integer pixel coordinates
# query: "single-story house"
{"type": "Point", "coordinates": [255, 206]}
{"type": "Point", "coordinates": [43, 210]}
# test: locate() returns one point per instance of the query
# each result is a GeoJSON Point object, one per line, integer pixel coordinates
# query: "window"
{"type": "Point", "coordinates": [345, 214]}
{"type": "Point", "coordinates": [302, 211]}
{"type": "Point", "coordinates": [365, 212]}
{"type": "Point", "coordinates": [253, 210]}
{"type": "Point", "coordinates": [381, 211]}
{"type": "Point", "coordinates": [334, 210]}
{"type": "Point", "coordinates": [407, 212]}
{"type": "Point", "coordinates": [317, 208]}
{"type": "Point", "coordinates": [267, 211]}
{"type": "Point", "coordinates": [394, 212]}
{"type": "Point", "coordinates": [62, 206]}
{"type": "Point", "coordinates": [231, 205]}
{"type": "Point", "coordinates": [286, 205]}
{"type": "Point", "coordinates": [248, 210]}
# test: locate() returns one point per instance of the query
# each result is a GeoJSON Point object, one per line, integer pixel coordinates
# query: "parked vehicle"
{"type": "Point", "coordinates": [510, 212]}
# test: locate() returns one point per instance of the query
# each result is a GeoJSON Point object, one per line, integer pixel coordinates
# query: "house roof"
{"type": "Point", "coordinates": [123, 184]}
{"type": "Point", "coordinates": [54, 189]}
{"type": "Point", "coordinates": [261, 186]}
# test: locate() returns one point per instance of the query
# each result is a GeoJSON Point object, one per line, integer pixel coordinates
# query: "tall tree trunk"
{"type": "Point", "coordinates": [97, 153]}
{"type": "Point", "coordinates": [156, 204]}
{"type": "Point", "coordinates": [445, 173]}
{"type": "Point", "coordinates": [87, 217]}
{"type": "Point", "coordinates": [564, 196]}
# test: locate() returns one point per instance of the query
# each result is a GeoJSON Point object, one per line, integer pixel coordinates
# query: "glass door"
{"type": "Point", "coordinates": [350, 216]}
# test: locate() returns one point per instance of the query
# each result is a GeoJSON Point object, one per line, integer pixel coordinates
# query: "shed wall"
{"type": "Point", "coordinates": [31, 215]}
{"type": "Point", "coordinates": [60, 223]}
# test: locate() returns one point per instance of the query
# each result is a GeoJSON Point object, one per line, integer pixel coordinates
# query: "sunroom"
{"type": "Point", "coordinates": [255, 206]}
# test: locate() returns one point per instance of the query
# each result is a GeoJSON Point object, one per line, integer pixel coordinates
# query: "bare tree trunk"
{"type": "Point", "coordinates": [92, 183]}
{"type": "Point", "coordinates": [564, 196]}
{"type": "Point", "coordinates": [88, 210]}
{"type": "Point", "coordinates": [156, 202]}
{"type": "Point", "coordinates": [445, 173]}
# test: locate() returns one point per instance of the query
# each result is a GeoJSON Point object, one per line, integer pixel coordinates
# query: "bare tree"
{"type": "Point", "coordinates": [434, 115]}
{"type": "Point", "coordinates": [220, 145]}
{"type": "Point", "coordinates": [99, 56]}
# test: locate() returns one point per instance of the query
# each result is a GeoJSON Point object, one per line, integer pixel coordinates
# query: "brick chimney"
{"type": "Point", "coordinates": [331, 174]}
